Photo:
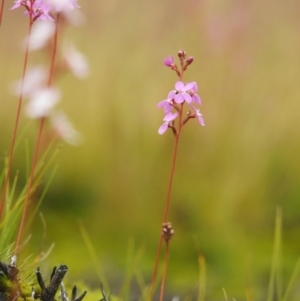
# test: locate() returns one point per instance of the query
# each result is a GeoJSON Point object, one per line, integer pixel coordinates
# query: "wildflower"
{"type": "Point", "coordinates": [62, 5]}
{"type": "Point", "coordinates": [169, 61]}
{"type": "Point", "coordinates": [34, 80]}
{"type": "Point", "coordinates": [64, 128]}
{"type": "Point", "coordinates": [198, 115]}
{"type": "Point", "coordinates": [37, 9]}
{"type": "Point", "coordinates": [18, 3]}
{"type": "Point", "coordinates": [76, 61]}
{"type": "Point", "coordinates": [182, 94]}
{"type": "Point", "coordinates": [195, 97]}
{"type": "Point", "coordinates": [167, 119]}
{"type": "Point", "coordinates": [42, 102]}
{"type": "Point", "coordinates": [167, 104]}
{"type": "Point", "coordinates": [41, 35]}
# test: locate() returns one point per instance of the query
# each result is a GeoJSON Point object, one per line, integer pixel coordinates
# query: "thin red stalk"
{"type": "Point", "coordinates": [13, 141]}
{"type": "Point", "coordinates": [53, 53]}
{"type": "Point", "coordinates": [1, 11]}
{"type": "Point", "coordinates": [167, 204]}
{"type": "Point", "coordinates": [164, 275]}
{"type": "Point", "coordinates": [37, 146]}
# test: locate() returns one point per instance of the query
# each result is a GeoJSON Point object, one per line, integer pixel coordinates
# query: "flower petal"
{"type": "Point", "coordinates": [196, 98]}
{"type": "Point", "coordinates": [189, 86]}
{"type": "Point", "coordinates": [179, 86]}
{"type": "Point", "coordinates": [162, 128]}
{"type": "Point", "coordinates": [170, 116]}
{"type": "Point", "coordinates": [179, 98]}
{"type": "Point", "coordinates": [187, 97]}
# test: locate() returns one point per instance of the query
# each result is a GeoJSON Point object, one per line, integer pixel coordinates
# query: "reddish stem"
{"type": "Point", "coordinates": [35, 157]}
{"type": "Point", "coordinates": [167, 204]}
{"type": "Point", "coordinates": [13, 141]}
{"type": "Point", "coordinates": [1, 11]}
{"type": "Point", "coordinates": [38, 142]}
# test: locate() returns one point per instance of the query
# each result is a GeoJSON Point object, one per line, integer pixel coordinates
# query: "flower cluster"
{"type": "Point", "coordinates": [37, 9]}
{"type": "Point", "coordinates": [183, 93]}
{"type": "Point", "coordinates": [41, 9]}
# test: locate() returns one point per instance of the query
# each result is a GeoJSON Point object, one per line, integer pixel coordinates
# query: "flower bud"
{"type": "Point", "coordinates": [189, 60]}
{"type": "Point", "coordinates": [181, 54]}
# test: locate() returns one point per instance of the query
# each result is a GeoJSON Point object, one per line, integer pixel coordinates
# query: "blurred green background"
{"type": "Point", "coordinates": [231, 175]}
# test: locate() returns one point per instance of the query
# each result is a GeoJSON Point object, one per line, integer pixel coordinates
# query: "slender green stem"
{"type": "Point", "coordinates": [20, 101]}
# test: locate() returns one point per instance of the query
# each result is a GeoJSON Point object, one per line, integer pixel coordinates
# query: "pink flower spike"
{"type": "Point", "coordinates": [169, 61]}
{"type": "Point", "coordinates": [167, 119]}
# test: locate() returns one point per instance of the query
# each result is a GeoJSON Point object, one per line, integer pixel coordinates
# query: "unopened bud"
{"type": "Point", "coordinates": [167, 231]}
{"type": "Point", "coordinates": [181, 54]}
{"type": "Point", "coordinates": [189, 60]}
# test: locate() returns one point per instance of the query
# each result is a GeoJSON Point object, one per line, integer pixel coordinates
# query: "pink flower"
{"type": "Point", "coordinates": [195, 97]}
{"type": "Point", "coordinates": [65, 129]}
{"type": "Point", "coordinates": [198, 115]}
{"type": "Point", "coordinates": [37, 9]}
{"type": "Point", "coordinates": [169, 61]}
{"type": "Point", "coordinates": [182, 94]}
{"type": "Point", "coordinates": [167, 104]}
{"type": "Point", "coordinates": [76, 61]}
{"type": "Point", "coordinates": [18, 3]}
{"type": "Point", "coordinates": [42, 102]}
{"type": "Point", "coordinates": [167, 119]}
{"type": "Point", "coordinates": [62, 5]}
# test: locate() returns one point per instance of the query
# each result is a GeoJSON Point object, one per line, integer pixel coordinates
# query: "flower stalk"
{"type": "Point", "coordinates": [38, 141]}
{"type": "Point", "coordinates": [20, 101]}
{"type": "Point", "coordinates": [177, 98]}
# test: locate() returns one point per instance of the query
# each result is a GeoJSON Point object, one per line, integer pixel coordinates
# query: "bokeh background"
{"type": "Point", "coordinates": [231, 175]}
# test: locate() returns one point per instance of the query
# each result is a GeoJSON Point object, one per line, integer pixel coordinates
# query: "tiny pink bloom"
{"type": "Point", "coordinates": [76, 61]}
{"type": "Point", "coordinates": [42, 102]}
{"type": "Point", "coordinates": [182, 92]}
{"type": "Point", "coordinates": [195, 97]}
{"type": "Point", "coordinates": [17, 4]}
{"type": "Point", "coordinates": [62, 5]}
{"type": "Point", "coordinates": [64, 128]}
{"type": "Point", "coordinates": [169, 61]}
{"type": "Point", "coordinates": [198, 115]}
{"type": "Point", "coordinates": [41, 34]}
{"type": "Point", "coordinates": [167, 104]}
{"type": "Point", "coordinates": [167, 119]}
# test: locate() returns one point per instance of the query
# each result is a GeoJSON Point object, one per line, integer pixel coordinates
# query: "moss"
{"type": "Point", "coordinates": [5, 285]}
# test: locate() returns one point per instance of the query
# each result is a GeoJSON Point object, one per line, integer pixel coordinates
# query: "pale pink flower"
{"type": "Point", "coordinates": [42, 102]}
{"type": "Point", "coordinates": [64, 128]}
{"type": "Point", "coordinates": [167, 119]}
{"type": "Point", "coordinates": [76, 61]}
{"type": "Point", "coordinates": [41, 34]}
